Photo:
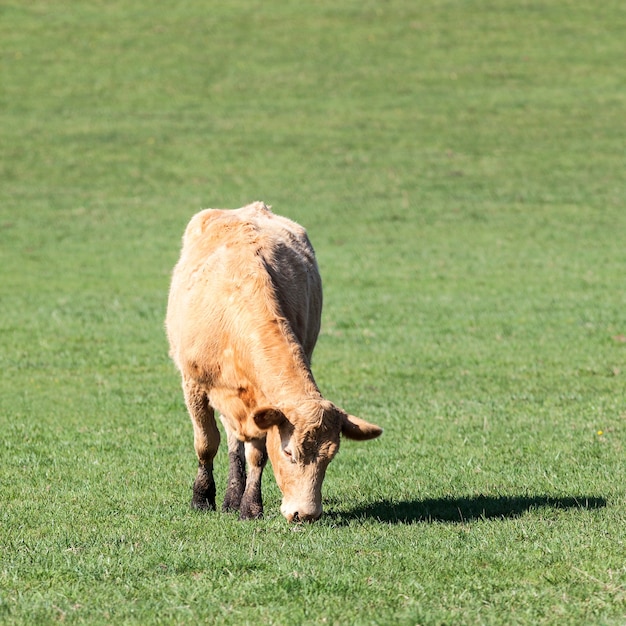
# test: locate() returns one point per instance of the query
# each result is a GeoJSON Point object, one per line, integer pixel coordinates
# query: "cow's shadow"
{"type": "Point", "coordinates": [461, 510]}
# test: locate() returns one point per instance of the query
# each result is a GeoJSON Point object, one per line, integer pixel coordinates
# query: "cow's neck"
{"type": "Point", "coordinates": [282, 373]}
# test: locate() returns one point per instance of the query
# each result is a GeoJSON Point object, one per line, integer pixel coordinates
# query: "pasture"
{"type": "Point", "coordinates": [460, 169]}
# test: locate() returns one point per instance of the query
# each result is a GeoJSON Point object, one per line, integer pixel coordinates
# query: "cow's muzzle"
{"type": "Point", "coordinates": [301, 514]}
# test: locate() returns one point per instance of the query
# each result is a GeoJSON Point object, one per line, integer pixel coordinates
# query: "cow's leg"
{"type": "Point", "coordinates": [206, 440]}
{"type": "Point", "coordinates": [251, 502]}
{"type": "Point", "coordinates": [236, 470]}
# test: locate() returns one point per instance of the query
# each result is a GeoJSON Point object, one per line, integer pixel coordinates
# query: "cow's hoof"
{"type": "Point", "coordinates": [203, 505]}
{"type": "Point", "coordinates": [232, 500]}
{"type": "Point", "coordinates": [250, 510]}
{"type": "Point", "coordinates": [230, 506]}
{"type": "Point", "coordinates": [203, 491]}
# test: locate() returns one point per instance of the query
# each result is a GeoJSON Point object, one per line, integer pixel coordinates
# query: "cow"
{"type": "Point", "coordinates": [243, 317]}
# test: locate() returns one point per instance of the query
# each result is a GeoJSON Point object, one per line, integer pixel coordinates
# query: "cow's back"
{"type": "Point", "coordinates": [239, 268]}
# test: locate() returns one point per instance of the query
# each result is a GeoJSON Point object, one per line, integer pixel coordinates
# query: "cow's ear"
{"type": "Point", "coordinates": [268, 416]}
{"type": "Point", "coordinates": [358, 429]}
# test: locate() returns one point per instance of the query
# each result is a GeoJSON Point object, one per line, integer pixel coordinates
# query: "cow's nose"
{"type": "Point", "coordinates": [300, 513]}
{"type": "Point", "coordinates": [303, 517]}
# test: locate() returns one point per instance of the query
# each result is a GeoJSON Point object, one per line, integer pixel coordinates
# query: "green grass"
{"type": "Point", "coordinates": [460, 169]}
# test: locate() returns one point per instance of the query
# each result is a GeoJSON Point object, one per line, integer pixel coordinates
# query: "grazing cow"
{"type": "Point", "coordinates": [242, 321]}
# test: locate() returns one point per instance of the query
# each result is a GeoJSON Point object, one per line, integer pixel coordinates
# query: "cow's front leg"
{"type": "Point", "coordinates": [236, 470]}
{"type": "Point", "coordinates": [206, 439]}
{"type": "Point", "coordinates": [252, 503]}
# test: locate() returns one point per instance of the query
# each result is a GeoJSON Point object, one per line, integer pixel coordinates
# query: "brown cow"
{"type": "Point", "coordinates": [242, 321]}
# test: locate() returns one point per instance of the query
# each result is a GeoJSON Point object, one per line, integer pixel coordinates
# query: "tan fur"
{"type": "Point", "coordinates": [243, 317]}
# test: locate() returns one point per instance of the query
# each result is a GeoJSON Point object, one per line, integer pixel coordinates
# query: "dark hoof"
{"type": "Point", "coordinates": [229, 507]}
{"type": "Point", "coordinates": [236, 483]}
{"type": "Point", "coordinates": [250, 510]}
{"type": "Point", "coordinates": [203, 491]}
{"type": "Point", "coordinates": [203, 505]}
{"type": "Point", "coordinates": [232, 498]}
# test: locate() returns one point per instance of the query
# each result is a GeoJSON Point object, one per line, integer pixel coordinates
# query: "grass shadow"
{"type": "Point", "coordinates": [460, 510]}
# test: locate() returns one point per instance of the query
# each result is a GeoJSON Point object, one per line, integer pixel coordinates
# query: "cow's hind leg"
{"type": "Point", "coordinates": [206, 439]}
{"type": "Point", "coordinates": [236, 471]}
{"type": "Point", "coordinates": [252, 503]}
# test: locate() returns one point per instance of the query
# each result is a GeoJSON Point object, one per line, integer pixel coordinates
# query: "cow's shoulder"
{"type": "Point", "coordinates": [210, 225]}
{"type": "Point", "coordinates": [250, 230]}
{"type": "Point", "coordinates": [240, 227]}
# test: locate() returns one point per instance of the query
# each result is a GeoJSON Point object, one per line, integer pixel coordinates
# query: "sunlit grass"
{"type": "Point", "coordinates": [459, 167]}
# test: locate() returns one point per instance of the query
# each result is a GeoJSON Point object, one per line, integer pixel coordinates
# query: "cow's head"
{"type": "Point", "coordinates": [300, 448]}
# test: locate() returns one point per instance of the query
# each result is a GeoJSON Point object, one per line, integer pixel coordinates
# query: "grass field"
{"type": "Point", "coordinates": [460, 168]}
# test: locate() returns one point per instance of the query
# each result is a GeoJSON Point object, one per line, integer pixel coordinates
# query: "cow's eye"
{"type": "Point", "coordinates": [289, 454]}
